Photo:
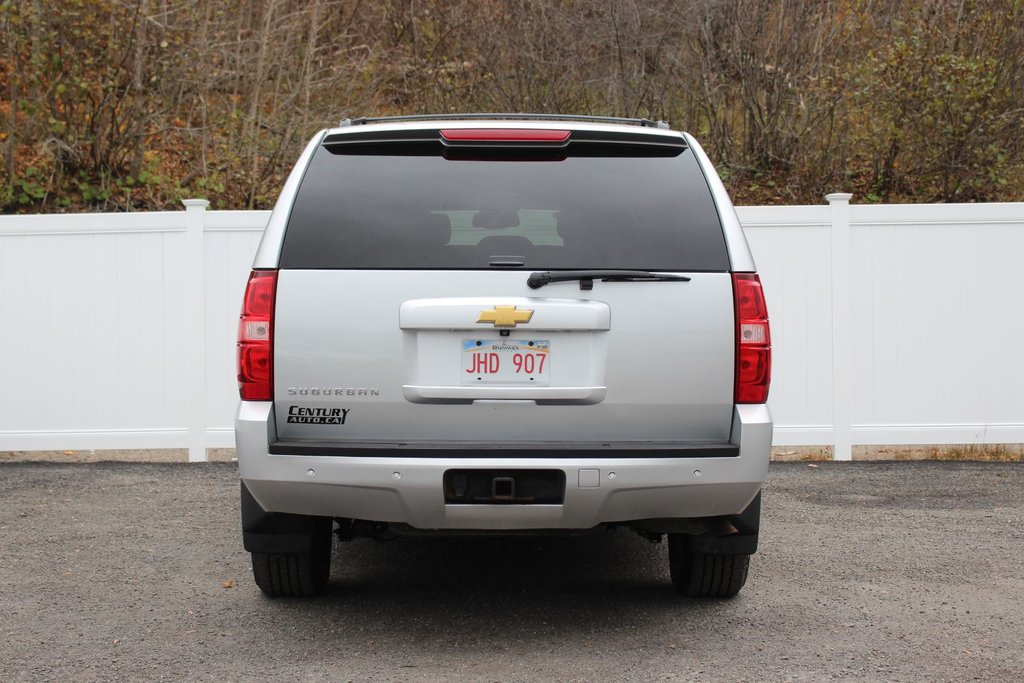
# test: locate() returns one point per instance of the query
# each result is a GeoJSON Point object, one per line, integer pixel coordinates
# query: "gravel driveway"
{"type": "Point", "coordinates": [874, 571]}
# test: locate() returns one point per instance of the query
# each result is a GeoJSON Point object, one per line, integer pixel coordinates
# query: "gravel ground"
{"type": "Point", "coordinates": [867, 571]}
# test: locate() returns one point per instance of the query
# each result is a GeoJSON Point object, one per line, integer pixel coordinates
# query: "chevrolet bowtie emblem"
{"type": "Point", "coordinates": [505, 316]}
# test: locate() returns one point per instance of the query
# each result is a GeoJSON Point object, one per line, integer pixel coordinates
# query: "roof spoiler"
{"type": "Point", "coordinates": [363, 120]}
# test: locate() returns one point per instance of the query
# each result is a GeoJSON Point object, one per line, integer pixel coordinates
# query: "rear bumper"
{"type": "Point", "coordinates": [408, 490]}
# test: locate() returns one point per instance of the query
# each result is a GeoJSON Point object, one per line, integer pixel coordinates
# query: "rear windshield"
{"type": "Point", "coordinates": [426, 211]}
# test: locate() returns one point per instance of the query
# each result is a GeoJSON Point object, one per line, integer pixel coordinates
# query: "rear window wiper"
{"type": "Point", "coordinates": [587, 277]}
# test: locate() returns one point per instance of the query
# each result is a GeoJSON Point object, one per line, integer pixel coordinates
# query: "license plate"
{"type": "Point", "coordinates": [506, 361]}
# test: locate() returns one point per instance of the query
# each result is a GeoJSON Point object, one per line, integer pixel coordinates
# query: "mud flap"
{"type": "Point", "coordinates": [277, 532]}
{"type": "Point", "coordinates": [743, 542]}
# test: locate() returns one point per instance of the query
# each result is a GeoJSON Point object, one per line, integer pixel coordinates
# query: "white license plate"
{"type": "Point", "coordinates": [506, 361]}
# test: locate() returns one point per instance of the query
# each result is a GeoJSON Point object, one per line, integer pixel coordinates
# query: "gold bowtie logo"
{"type": "Point", "coordinates": [505, 316]}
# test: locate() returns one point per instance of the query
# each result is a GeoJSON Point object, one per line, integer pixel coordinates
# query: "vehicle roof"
{"type": "Point", "coordinates": [498, 123]}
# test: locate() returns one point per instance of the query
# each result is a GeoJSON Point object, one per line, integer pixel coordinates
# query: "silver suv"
{"type": "Point", "coordinates": [503, 324]}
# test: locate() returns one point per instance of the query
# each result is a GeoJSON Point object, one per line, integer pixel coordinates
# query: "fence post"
{"type": "Point", "coordinates": [842, 317]}
{"type": "Point", "coordinates": [195, 321]}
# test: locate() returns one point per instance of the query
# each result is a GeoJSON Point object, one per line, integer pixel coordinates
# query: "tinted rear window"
{"type": "Point", "coordinates": [416, 211]}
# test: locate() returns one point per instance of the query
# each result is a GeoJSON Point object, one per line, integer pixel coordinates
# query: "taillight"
{"type": "Point", "coordinates": [753, 340]}
{"type": "Point", "coordinates": [256, 337]}
{"type": "Point", "coordinates": [504, 135]}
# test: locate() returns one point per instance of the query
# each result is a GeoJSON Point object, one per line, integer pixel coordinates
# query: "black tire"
{"type": "Point", "coordinates": [296, 575]}
{"type": "Point", "coordinates": [705, 575]}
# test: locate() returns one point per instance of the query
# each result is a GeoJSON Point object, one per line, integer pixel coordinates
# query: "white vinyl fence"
{"type": "Point", "coordinates": [891, 324]}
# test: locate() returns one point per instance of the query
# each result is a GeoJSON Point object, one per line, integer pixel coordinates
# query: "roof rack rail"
{"type": "Point", "coordinates": [503, 116]}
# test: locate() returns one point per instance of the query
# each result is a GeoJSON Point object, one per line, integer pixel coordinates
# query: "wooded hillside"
{"type": "Point", "coordinates": [134, 104]}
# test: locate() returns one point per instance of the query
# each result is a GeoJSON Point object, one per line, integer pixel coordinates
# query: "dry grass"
{"type": "Point", "coordinates": [954, 452]}
{"type": "Point", "coordinates": [978, 452]}
{"type": "Point", "coordinates": [140, 455]}
{"type": "Point", "coordinates": [801, 453]}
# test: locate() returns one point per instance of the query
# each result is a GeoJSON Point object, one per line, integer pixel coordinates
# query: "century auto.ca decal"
{"type": "Point", "coordinates": [317, 416]}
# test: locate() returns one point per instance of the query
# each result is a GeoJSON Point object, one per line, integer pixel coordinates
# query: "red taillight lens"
{"type": "Point", "coordinates": [753, 340]}
{"type": "Point", "coordinates": [256, 337]}
{"type": "Point", "coordinates": [504, 135]}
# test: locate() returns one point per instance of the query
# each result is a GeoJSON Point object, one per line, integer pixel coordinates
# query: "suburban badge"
{"type": "Point", "coordinates": [505, 316]}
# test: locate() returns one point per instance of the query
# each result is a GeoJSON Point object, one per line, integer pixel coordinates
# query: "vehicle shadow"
{"type": "Point", "coordinates": [489, 591]}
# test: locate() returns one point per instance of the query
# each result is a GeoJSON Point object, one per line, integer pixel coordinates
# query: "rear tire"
{"type": "Point", "coordinates": [295, 575]}
{"type": "Point", "coordinates": [705, 575]}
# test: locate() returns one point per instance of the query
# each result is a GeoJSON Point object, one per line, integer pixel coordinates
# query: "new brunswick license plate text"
{"type": "Point", "coordinates": [506, 361]}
